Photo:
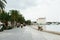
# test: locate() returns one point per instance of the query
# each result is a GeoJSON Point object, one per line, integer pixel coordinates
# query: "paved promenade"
{"type": "Point", "coordinates": [27, 33]}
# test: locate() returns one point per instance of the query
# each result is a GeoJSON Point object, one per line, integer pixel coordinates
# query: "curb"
{"type": "Point", "coordinates": [53, 32]}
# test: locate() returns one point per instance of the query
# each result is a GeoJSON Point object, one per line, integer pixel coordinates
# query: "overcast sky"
{"type": "Point", "coordinates": [34, 9]}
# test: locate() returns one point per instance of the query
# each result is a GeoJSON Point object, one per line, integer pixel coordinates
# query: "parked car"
{"type": "Point", "coordinates": [1, 27]}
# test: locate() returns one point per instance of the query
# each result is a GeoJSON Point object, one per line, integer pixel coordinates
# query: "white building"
{"type": "Point", "coordinates": [41, 21]}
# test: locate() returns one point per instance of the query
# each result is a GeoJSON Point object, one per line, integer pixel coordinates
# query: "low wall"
{"type": "Point", "coordinates": [55, 29]}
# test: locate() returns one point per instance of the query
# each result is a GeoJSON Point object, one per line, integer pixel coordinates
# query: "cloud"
{"type": "Point", "coordinates": [48, 8]}
{"type": "Point", "coordinates": [20, 4]}
{"type": "Point", "coordinates": [32, 9]}
{"type": "Point", "coordinates": [23, 4]}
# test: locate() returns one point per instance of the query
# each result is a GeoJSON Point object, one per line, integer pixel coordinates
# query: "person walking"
{"type": "Point", "coordinates": [21, 25]}
{"type": "Point", "coordinates": [18, 24]}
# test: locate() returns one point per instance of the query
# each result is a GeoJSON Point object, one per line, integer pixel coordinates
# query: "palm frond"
{"type": "Point", "coordinates": [2, 5]}
{"type": "Point", "coordinates": [4, 1]}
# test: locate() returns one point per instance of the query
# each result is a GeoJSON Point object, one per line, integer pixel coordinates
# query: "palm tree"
{"type": "Point", "coordinates": [4, 17]}
{"type": "Point", "coordinates": [2, 5]}
{"type": "Point", "coordinates": [14, 16]}
{"type": "Point", "coordinates": [21, 19]}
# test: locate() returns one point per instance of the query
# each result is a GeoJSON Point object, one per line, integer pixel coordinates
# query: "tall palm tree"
{"type": "Point", "coordinates": [2, 5]}
{"type": "Point", "coordinates": [14, 16]}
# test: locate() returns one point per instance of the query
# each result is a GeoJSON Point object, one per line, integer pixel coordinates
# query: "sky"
{"type": "Point", "coordinates": [34, 9]}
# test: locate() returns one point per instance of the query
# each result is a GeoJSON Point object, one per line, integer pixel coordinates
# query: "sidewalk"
{"type": "Point", "coordinates": [27, 33]}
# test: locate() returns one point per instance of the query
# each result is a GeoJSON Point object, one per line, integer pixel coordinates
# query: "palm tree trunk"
{"type": "Point", "coordinates": [6, 24]}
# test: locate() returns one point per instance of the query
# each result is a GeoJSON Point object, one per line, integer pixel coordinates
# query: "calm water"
{"type": "Point", "coordinates": [53, 28]}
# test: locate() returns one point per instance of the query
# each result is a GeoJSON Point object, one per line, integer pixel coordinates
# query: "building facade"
{"type": "Point", "coordinates": [41, 21]}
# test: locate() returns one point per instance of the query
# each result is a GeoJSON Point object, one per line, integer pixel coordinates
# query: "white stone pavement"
{"type": "Point", "coordinates": [27, 33]}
